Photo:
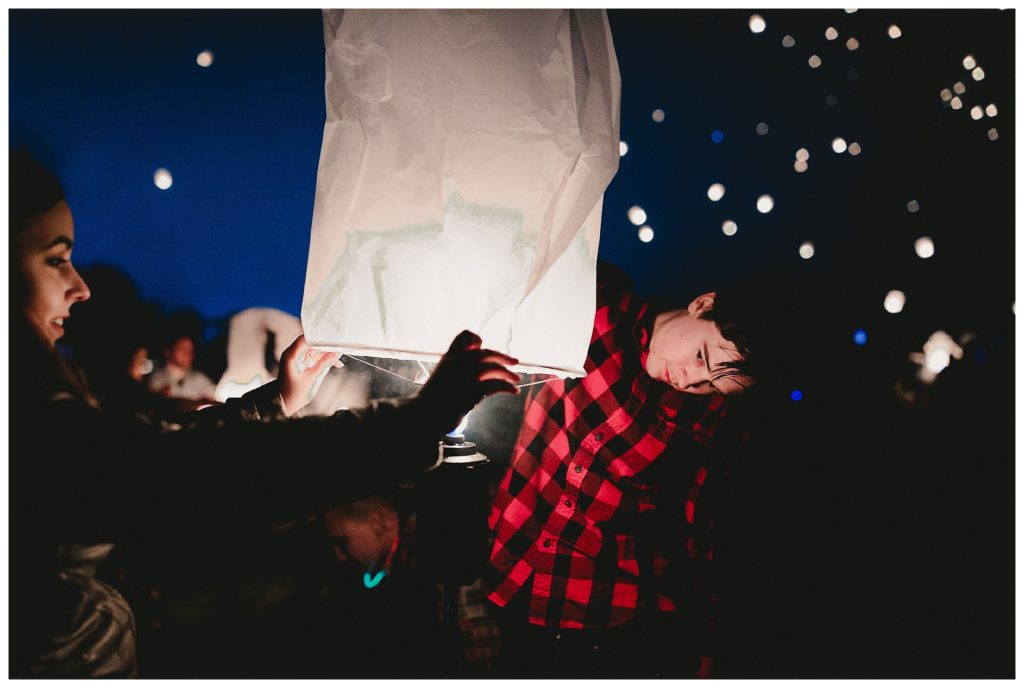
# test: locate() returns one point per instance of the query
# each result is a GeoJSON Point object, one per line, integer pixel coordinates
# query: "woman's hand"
{"type": "Point", "coordinates": [299, 369]}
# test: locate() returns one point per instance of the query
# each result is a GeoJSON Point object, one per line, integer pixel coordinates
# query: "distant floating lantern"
{"type": "Point", "coordinates": [163, 179]}
{"type": "Point", "coordinates": [204, 59]}
{"type": "Point", "coordinates": [970, 63]}
{"type": "Point", "coordinates": [800, 165]}
{"type": "Point", "coordinates": [993, 134]}
{"type": "Point", "coordinates": [978, 73]}
{"type": "Point", "coordinates": [894, 31]}
{"type": "Point", "coordinates": [894, 301]}
{"type": "Point", "coordinates": [765, 203]}
{"type": "Point", "coordinates": [762, 129]}
{"type": "Point", "coordinates": [977, 112]}
{"type": "Point", "coordinates": [637, 215]}
{"type": "Point", "coordinates": [852, 74]}
{"type": "Point", "coordinates": [814, 61]}
{"type": "Point", "coordinates": [956, 103]}
{"type": "Point", "coordinates": [757, 23]}
{"type": "Point", "coordinates": [959, 88]}
{"type": "Point", "coordinates": [852, 44]}
{"type": "Point", "coordinates": [991, 110]}
{"type": "Point", "coordinates": [658, 115]}
{"type": "Point", "coordinates": [717, 136]}
{"type": "Point", "coordinates": [924, 247]}
{"type": "Point", "coordinates": [623, 148]}
{"type": "Point", "coordinates": [946, 95]}
{"type": "Point", "coordinates": [802, 154]}
{"type": "Point", "coordinates": [831, 100]}
{"type": "Point", "coordinates": [716, 191]}
{"type": "Point", "coordinates": [839, 144]}
{"type": "Point", "coordinates": [913, 206]}
{"type": "Point", "coordinates": [646, 234]}
{"type": "Point", "coordinates": [807, 250]}
{"type": "Point", "coordinates": [854, 148]}
{"type": "Point", "coordinates": [831, 34]}
{"type": "Point", "coordinates": [729, 228]}
{"type": "Point", "coordinates": [788, 42]}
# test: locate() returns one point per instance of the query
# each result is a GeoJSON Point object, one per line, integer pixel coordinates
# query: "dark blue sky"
{"type": "Point", "coordinates": [107, 97]}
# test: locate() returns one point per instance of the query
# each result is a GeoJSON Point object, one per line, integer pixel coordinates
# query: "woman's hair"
{"type": "Point", "coordinates": [33, 190]}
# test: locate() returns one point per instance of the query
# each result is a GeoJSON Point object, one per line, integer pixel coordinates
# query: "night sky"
{"type": "Point", "coordinates": [108, 97]}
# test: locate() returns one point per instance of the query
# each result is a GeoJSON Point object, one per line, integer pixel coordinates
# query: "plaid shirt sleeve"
{"type": "Point", "coordinates": [598, 512]}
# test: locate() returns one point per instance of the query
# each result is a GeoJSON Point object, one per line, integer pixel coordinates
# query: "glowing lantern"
{"type": "Point", "coordinates": [204, 59]}
{"type": "Point", "coordinates": [757, 23]}
{"type": "Point", "coordinates": [473, 204]}
{"type": "Point", "coordinates": [894, 301]}
{"type": "Point", "coordinates": [163, 179]}
{"type": "Point", "coordinates": [765, 203]}
{"type": "Point", "coordinates": [729, 228]}
{"type": "Point", "coordinates": [637, 215]}
{"type": "Point", "coordinates": [924, 247]}
{"type": "Point", "coordinates": [646, 234]}
{"type": "Point", "coordinates": [807, 250]}
{"type": "Point", "coordinates": [716, 192]}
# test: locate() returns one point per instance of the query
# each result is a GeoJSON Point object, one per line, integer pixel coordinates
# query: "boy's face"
{"type": "Point", "coordinates": [365, 541]}
{"type": "Point", "coordinates": [691, 355]}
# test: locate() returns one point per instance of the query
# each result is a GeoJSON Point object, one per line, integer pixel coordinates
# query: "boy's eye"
{"type": "Point", "coordinates": [55, 262]}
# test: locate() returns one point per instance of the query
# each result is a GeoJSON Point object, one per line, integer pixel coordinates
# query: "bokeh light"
{"type": "Point", "coordinates": [924, 247]}
{"type": "Point", "coordinates": [852, 44]}
{"type": "Point", "coordinates": [637, 215]}
{"type": "Point", "coordinates": [788, 42]}
{"type": "Point", "coordinates": [831, 100]}
{"type": "Point", "coordinates": [850, 11]}
{"type": "Point", "coordinates": [959, 88]}
{"type": "Point", "coordinates": [646, 234]}
{"type": "Point", "coordinates": [800, 165]}
{"type": "Point", "coordinates": [831, 34]}
{"type": "Point", "coordinates": [839, 144]}
{"type": "Point", "coordinates": [894, 301]}
{"type": "Point", "coordinates": [163, 179]}
{"type": "Point", "coordinates": [814, 61]}
{"type": "Point", "coordinates": [716, 191]}
{"type": "Point", "coordinates": [204, 59]}
{"type": "Point", "coordinates": [913, 206]}
{"type": "Point", "coordinates": [803, 154]}
{"type": "Point", "coordinates": [762, 129]}
{"type": "Point", "coordinates": [978, 73]}
{"type": "Point", "coordinates": [729, 228]}
{"type": "Point", "coordinates": [956, 103]}
{"type": "Point", "coordinates": [946, 95]}
{"type": "Point", "coordinates": [991, 110]}
{"type": "Point", "coordinates": [969, 63]}
{"type": "Point", "coordinates": [993, 134]}
{"type": "Point", "coordinates": [807, 250]}
{"type": "Point", "coordinates": [854, 148]}
{"type": "Point", "coordinates": [623, 148]}
{"type": "Point", "coordinates": [765, 203]}
{"type": "Point", "coordinates": [894, 31]}
{"type": "Point", "coordinates": [860, 337]}
{"type": "Point", "coordinates": [937, 359]}
{"type": "Point", "coordinates": [977, 112]}
{"type": "Point", "coordinates": [717, 136]}
{"type": "Point", "coordinates": [757, 23]}
{"type": "Point", "coordinates": [658, 115]}
{"type": "Point", "coordinates": [796, 395]}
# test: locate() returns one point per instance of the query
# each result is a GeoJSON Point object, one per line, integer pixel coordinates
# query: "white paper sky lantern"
{"type": "Point", "coordinates": [646, 234]}
{"type": "Point", "coordinates": [716, 191]}
{"type": "Point", "coordinates": [924, 247]}
{"type": "Point", "coordinates": [472, 204]}
{"type": "Point", "coordinates": [757, 23]}
{"type": "Point", "coordinates": [765, 203]}
{"type": "Point", "coordinates": [204, 59]}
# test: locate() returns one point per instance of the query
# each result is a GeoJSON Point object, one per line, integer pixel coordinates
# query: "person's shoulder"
{"type": "Point", "coordinates": [613, 278]}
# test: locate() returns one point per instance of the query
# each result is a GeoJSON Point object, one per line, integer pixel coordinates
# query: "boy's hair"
{"type": "Point", "coordinates": [759, 316]}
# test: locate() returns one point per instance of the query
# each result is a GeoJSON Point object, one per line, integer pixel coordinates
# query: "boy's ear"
{"type": "Point", "coordinates": [702, 304]}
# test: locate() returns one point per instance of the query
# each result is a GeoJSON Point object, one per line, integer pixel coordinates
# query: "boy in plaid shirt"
{"type": "Point", "coordinates": [602, 548]}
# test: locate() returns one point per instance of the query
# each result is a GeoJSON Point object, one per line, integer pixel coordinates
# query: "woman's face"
{"type": "Point", "coordinates": [52, 284]}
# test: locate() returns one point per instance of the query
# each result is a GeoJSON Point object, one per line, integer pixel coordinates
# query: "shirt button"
{"type": "Point", "coordinates": [578, 468]}
{"type": "Point", "coordinates": [599, 436]}
{"type": "Point", "coordinates": [568, 502]}
{"type": "Point", "coordinates": [547, 543]}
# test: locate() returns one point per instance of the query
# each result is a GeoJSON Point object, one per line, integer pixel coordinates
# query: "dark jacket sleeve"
{"type": "Point", "coordinates": [241, 466]}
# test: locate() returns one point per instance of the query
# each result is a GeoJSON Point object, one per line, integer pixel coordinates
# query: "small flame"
{"type": "Point", "coordinates": [461, 427]}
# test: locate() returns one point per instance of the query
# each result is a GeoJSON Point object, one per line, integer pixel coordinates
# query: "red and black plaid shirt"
{"type": "Point", "coordinates": [597, 513]}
